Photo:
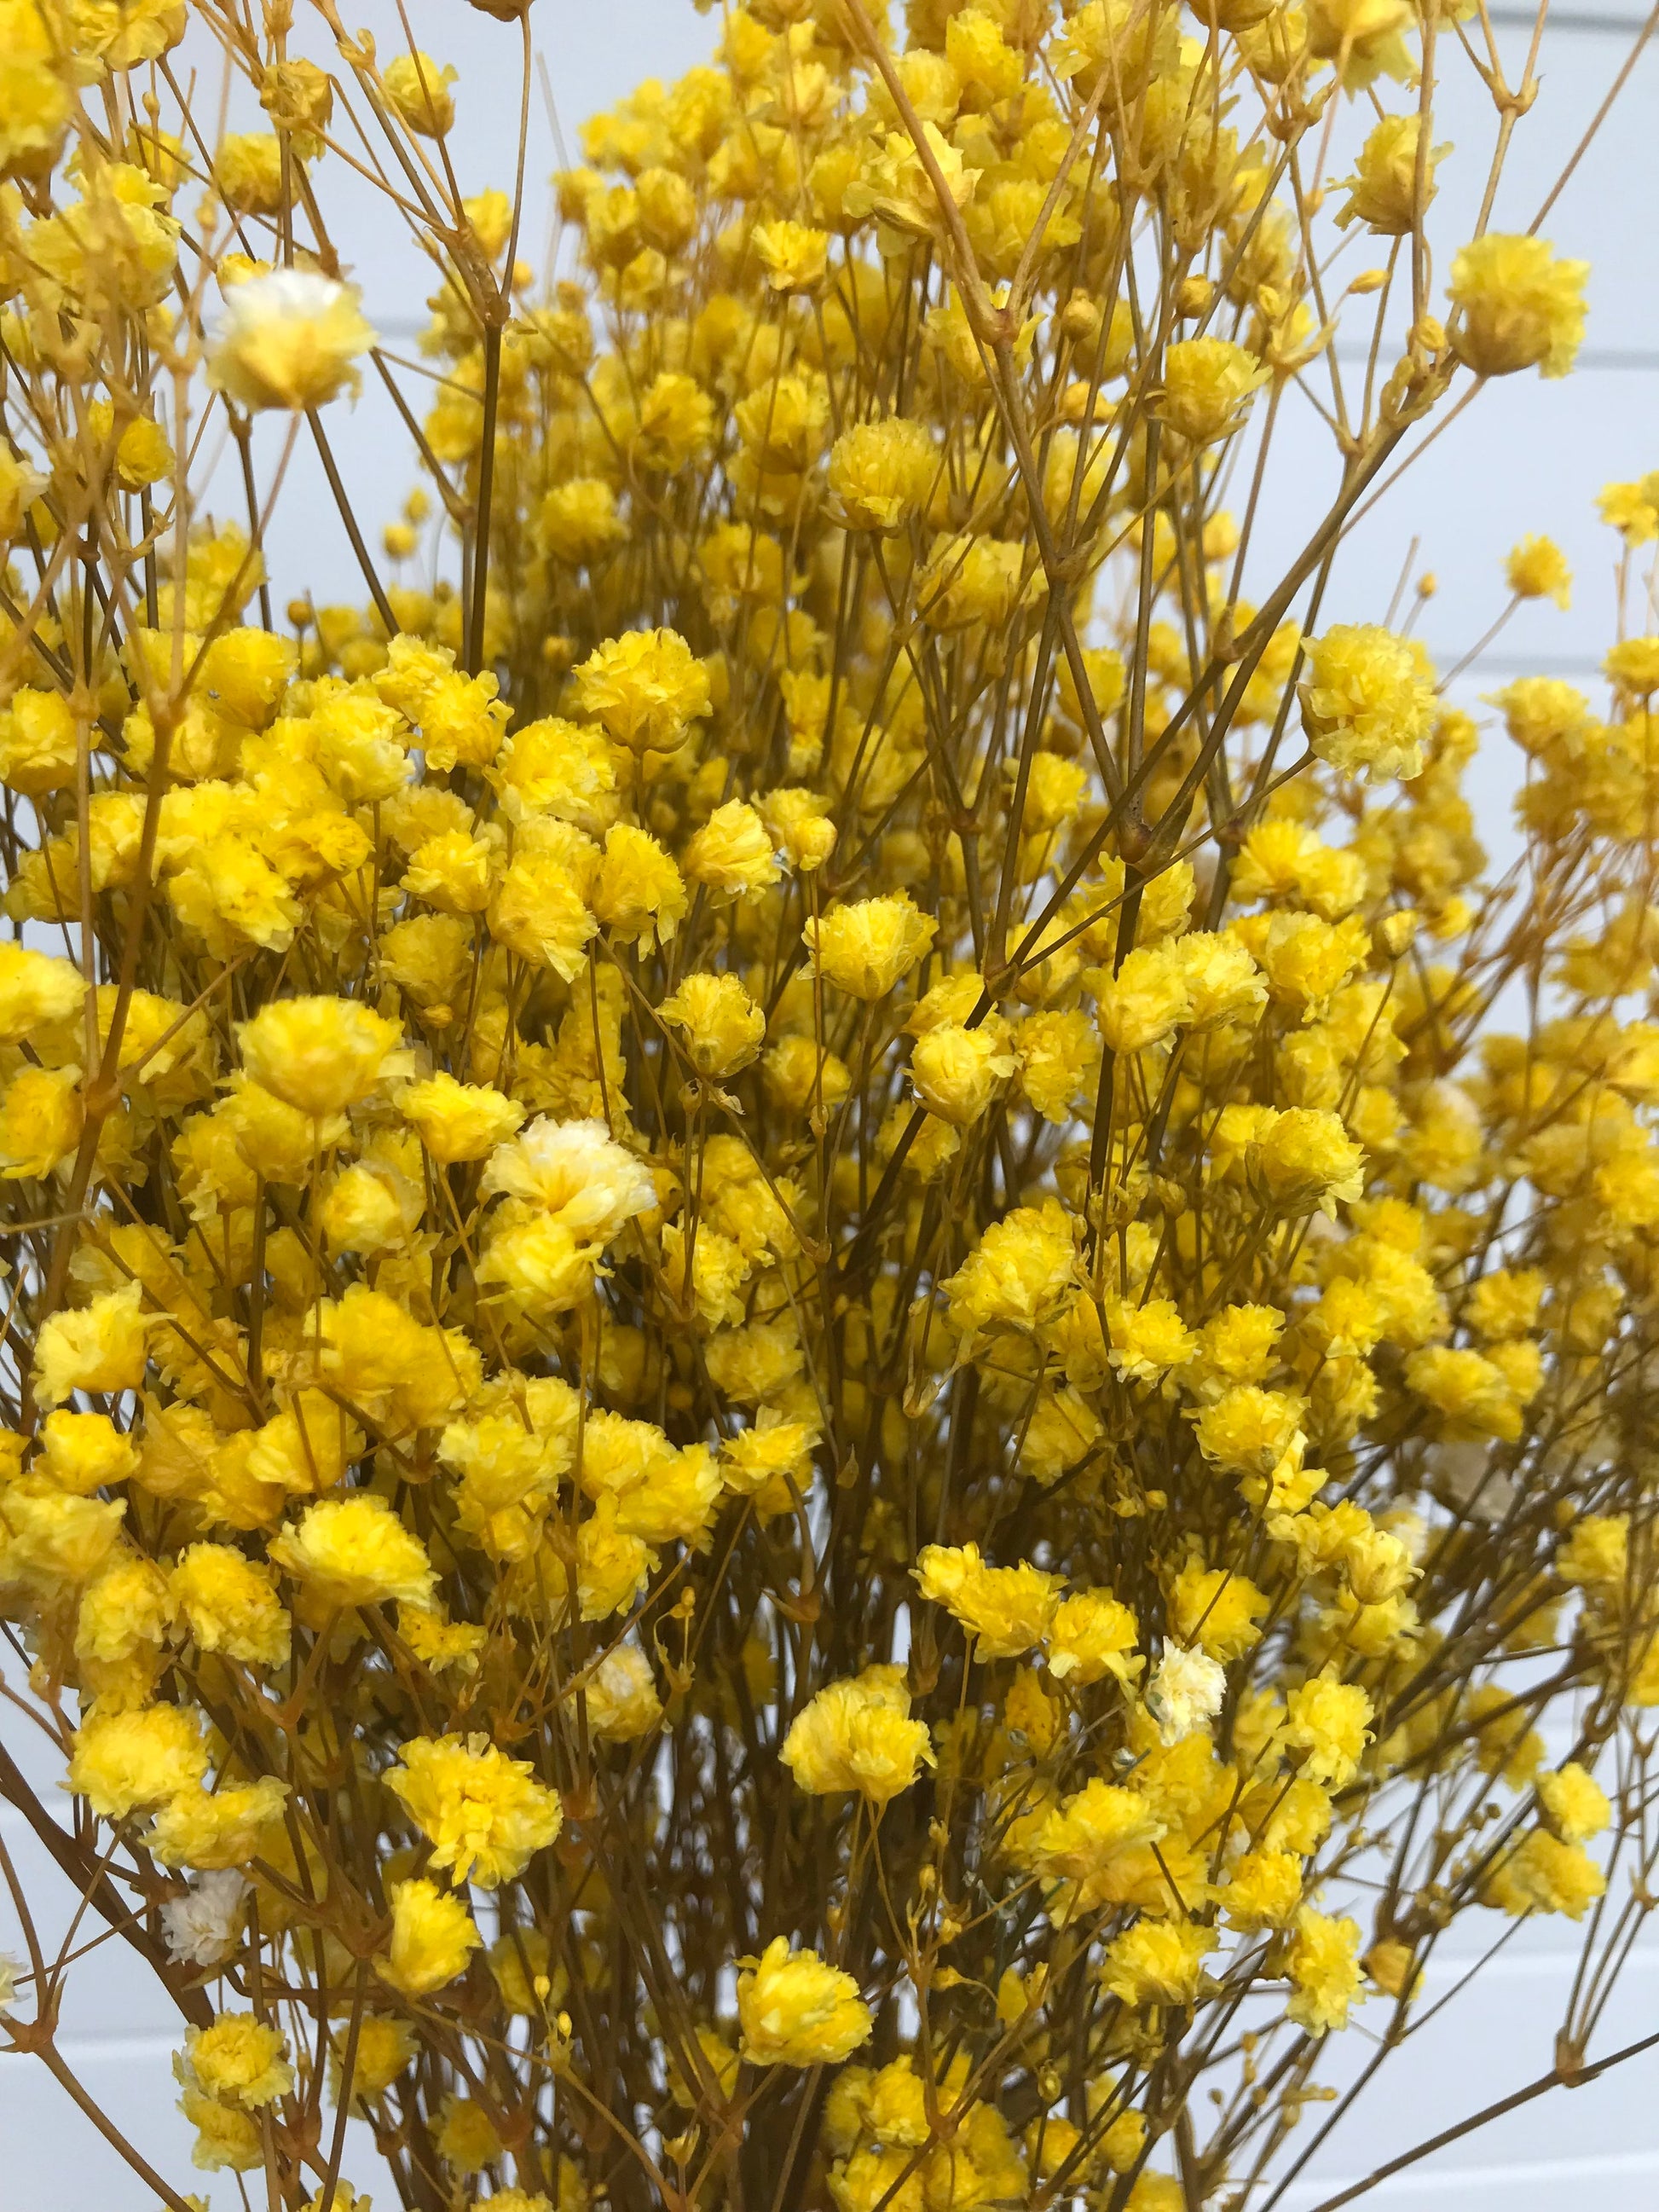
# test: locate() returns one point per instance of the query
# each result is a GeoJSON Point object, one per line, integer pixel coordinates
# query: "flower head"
{"type": "Point", "coordinates": [1185, 1691]}
{"type": "Point", "coordinates": [858, 1735]}
{"type": "Point", "coordinates": [485, 1813]}
{"type": "Point", "coordinates": [1365, 704]}
{"type": "Point", "coordinates": [291, 339]}
{"type": "Point", "coordinates": [318, 1054]}
{"type": "Point", "coordinates": [1208, 384]}
{"type": "Point", "coordinates": [432, 1937]}
{"type": "Point", "coordinates": [238, 2061]}
{"type": "Point", "coordinates": [796, 2011]}
{"type": "Point", "coordinates": [1007, 1609]}
{"type": "Point", "coordinates": [646, 688]}
{"type": "Point", "coordinates": [575, 1172]}
{"type": "Point", "coordinates": [867, 948]}
{"type": "Point", "coordinates": [354, 1551]}
{"type": "Point", "coordinates": [1519, 306]}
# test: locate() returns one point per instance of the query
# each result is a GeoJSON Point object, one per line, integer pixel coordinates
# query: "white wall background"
{"type": "Point", "coordinates": [1530, 456]}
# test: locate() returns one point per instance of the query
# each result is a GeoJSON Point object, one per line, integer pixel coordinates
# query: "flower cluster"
{"type": "Point", "coordinates": [820, 1337]}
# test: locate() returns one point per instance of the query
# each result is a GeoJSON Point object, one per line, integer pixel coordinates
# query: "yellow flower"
{"type": "Point", "coordinates": [36, 104]}
{"type": "Point", "coordinates": [1596, 1553]}
{"type": "Point", "coordinates": [217, 1829]}
{"type": "Point", "coordinates": [239, 2062]}
{"type": "Point", "coordinates": [1059, 1055]}
{"type": "Point", "coordinates": [465, 2135]}
{"type": "Point", "coordinates": [1473, 1393]}
{"type": "Point", "coordinates": [578, 522]}
{"type": "Point", "coordinates": [432, 1937]}
{"type": "Point", "coordinates": [1629, 509]}
{"type": "Point", "coordinates": [1023, 1269]}
{"type": "Point", "coordinates": [1264, 1890]}
{"type": "Point", "coordinates": [1327, 1722]}
{"type": "Point", "coordinates": [795, 256]}
{"type": "Point", "coordinates": [612, 1564]}
{"type": "Point", "coordinates": [289, 340]}
{"type": "Point", "coordinates": [1366, 705]}
{"type": "Point", "coordinates": [361, 1211]}
{"type": "Point", "coordinates": [39, 743]}
{"type": "Point", "coordinates": [967, 581]}
{"type": "Point", "coordinates": [1304, 1160]}
{"type": "Point", "coordinates": [1364, 36]}
{"type": "Point", "coordinates": [732, 853]}
{"type": "Point", "coordinates": [638, 894]}
{"type": "Point", "coordinates": [128, 1607]}
{"type": "Point", "coordinates": [308, 1446]}
{"type": "Point", "coordinates": [800, 826]}
{"type": "Point", "coordinates": [867, 948]}
{"type": "Point", "coordinates": [317, 1054]}
{"type": "Point", "coordinates": [959, 1072]}
{"type": "Point", "coordinates": [895, 186]}
{"type": "Point", "coordinates": [675, 426]}
{"type": "Point", "coordinates": [41, 1118]}
{"type": "Point", "coordinates": [1573, 1802]}
{"type": "Point", "coordinates": [858, 1735]}
{"type": "Point", "coordinates": [419, 90]}
{"type": "Point", "coordinates": [1158, 1962]}
{"type": "Point", "coordinates": [1111, 39]}
{"type": "Point", "coordinates": [1217, 1609]}
{"type": "Point", "coordinates": [484, 1813]}
{"type": "Point", "coordinates": [124, 1762]}
{"type": "Point", "coordinates": [248, 171]}
{"type": "Point", "coordinates": [1323, 1965]}
{"type": "Point", "coordinates": [385, 2048]}
{"type": "Point", "coordinates": [1543, 1874]}
{"type": "Point", "coordinates": [230, 1604]}
{"type": "Point", "coordinates": [297, 96]}
{"type": "Point", "coordinates": [646, 688]}
{"type": "Point", "coordinates": [802, 1078]}
{"type": "Point", "coordinates": [38, 990]}
{"type": "Point", "coordinates": [101, 1347]}
{"type": "Point", "coordinates": [1097, 1841]}
{"type": "Point", "coordinates": [1147, 998]}
{"type": "Point", "coordinates": [1223, 984]}
{"type": "Point", "coordinates": [1536, 569]}
{"type": "Point", "coordinates": [1247, 1430]}
{"type": "Point", "coordinates": [796, 2011]}
{"type": "Point", "coordinates": [1093, 1634]}
{"type": "Point", "coordinates": [880, 472]}
{"type": "Point", "coordinates": [1007, 1609]}
{"type": "Point", "coordinates": [354, 1551]}
{"type": "Point", "coordinates": [1519, 305]}
{"type": "Point", "coordinates": [225, 2136]}
{"type": "Point", "coordinates": [621, 1696]}
{"type": "Point", "coordinates": [1147, 1339]}
{"type": "Point", "coordinates": [1208, 384]}
{"type": "Point", "coordinates": [539, 909]}
{"type": "Point", "coordinates": [575, 1172]}
{"type": "Point", "coordinates": [1632, 666]}
{"type": "Point", "coordinates": [458, 1121]}
{"type": "Point", "coordinates": [1382, 193]}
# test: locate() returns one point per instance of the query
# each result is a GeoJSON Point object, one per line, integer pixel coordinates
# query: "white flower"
{"type": "Point", "coordinates": [576, 1171]}
{"type": "Point", "coordinates": [10, 1971]}
{"type": "Point", "coordinates": [1186, 1691]}
{"type": "Point", "coordinates": [201, 1927]}
{"type": "Point", "coordinates": [288, 339]}
{"type": "Point", "coordinates": [1465, 1475]}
